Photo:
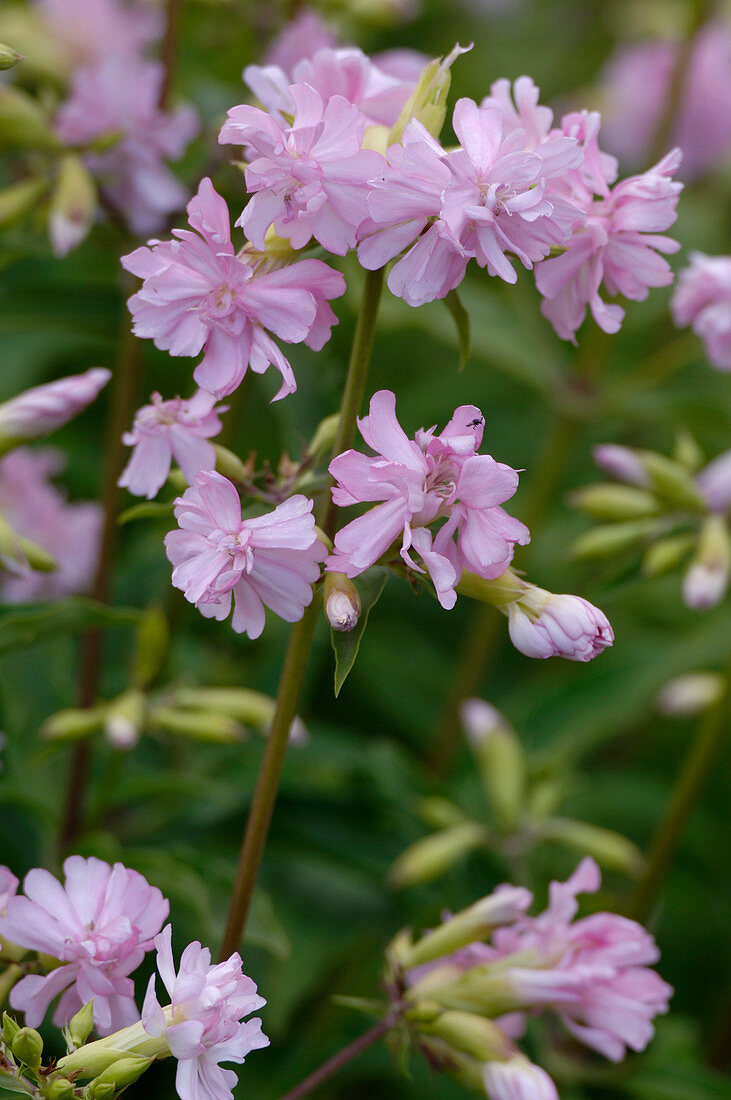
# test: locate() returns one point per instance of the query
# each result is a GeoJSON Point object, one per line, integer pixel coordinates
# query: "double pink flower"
{"type": "Point", "coordinates": [420, 482]}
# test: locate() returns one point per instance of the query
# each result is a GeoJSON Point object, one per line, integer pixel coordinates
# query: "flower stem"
{"type": "Point", "coordinates": [169, 51]}
{"type": "Point", "coordinates": [689, 784]}
{"type": "Point", "coordinates": [336, 1063]}
{"type": "Point", "coordinates": [124, 394]}
{"type": "Point", "coordinates": [300, 643]}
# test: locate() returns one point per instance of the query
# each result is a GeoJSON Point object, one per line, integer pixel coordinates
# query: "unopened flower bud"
{"type": "Point", "coordinates": [706, 581]}
{"type": "Point", "coordinates": [543, 624]}
{"type": "Point", "coordinates": [59, 1089]}
{"type": "Point", "coordinates": [230, 465]}
{"type": "Point", "coordinates": [687, 451]}
{"type": "Point", "coordinates": [20, 199]}
{"type": "Point", "coordinates": [430, 857]}
{"type": "Point", "coordinates": [671, 481]}
{"type": "Point", "coordinates": [152, 638]}
{"type": "Point", "coordinates": [9, 57]}
{"type": "Point", "coordinates": [18, 554]}
{"type": "Point", "coordinates": [323, 440]}
{"type": "Point", "coordinates": [10, 1029]}
{"type": "Point", "coordinates": [621, 463]}
{"type": "Point", "coordinates": [216, 729]}
{"type": "Point", "coordinates": [342, 602]}
{"type": "Point", "coordinates": [80, 1026]}
{"type": "Point", "coordinates": [120, 1074]}
{"type": "Point", "coordinates": [125, 719]}
{"type": "Point", "coordinates": [473, 1035]}
{"type": "Point", "coordinates": [73, 205]}
{"type": "Point", "coordinates": [517, 1078]}
{"type": "Point", "coordinates": [73, 724]}
{"type": "Point", "coordinates": [503, 906]}
{"type": "Point", "coordinates": [23, 122]}
{"type": "Point", "coordinates": [714, 483]}
{"type": "Point", "coordinates": [610, 849]}
{"type": "Point", "coordinates": [500, 592]}
{"type": "Point", "coordinates": [440, 813]}
{"type": "Point", "coordinates": [250, 708]}
{"type": "Point", "coordinates": [101, 1090]}
{"type": "Point", "coordinates": [27, 1047]}
{"type": "Point", "coordinates": [666, 554]}
{"type": "Point", "coordinates": [610, 539]}
{"type": "Point", "coordinates": [685, 696]}
{"type": "Point", "coordinates": [39, 411]}
{"type": "Point", "coordinates": [428, 101]}
{"type": "Point", "coordinates": [501, 760]}
{"type": "Point", "coordinates": [613, 502]}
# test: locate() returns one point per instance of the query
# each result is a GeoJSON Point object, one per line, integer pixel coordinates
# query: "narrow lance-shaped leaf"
{"type": "Point", "coordinates": [347, 643]}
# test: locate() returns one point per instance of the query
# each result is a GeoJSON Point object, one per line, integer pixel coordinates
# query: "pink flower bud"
{"type": "Point", "coordinates": [517, 1079]}
{"type": "Point", "coordinates": [543, 625]}
{"type": "Point", "coordinates": [41, 410]}
{"type": "Point", "coordinates": [621, 463]}
{"type": "Point", "coordinates": [8, 887]}
{"type": "Point", "coordinates": [714, 483]}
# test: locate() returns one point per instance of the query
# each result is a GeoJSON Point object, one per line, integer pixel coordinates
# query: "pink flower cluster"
{"type": "Point", "coordinates": [203, 1024]}
{"type": "Point", "coordinates": [264, 561]}
{"type": "Point", "coordinates": [422, 481]}
{"type": "Point", "coordinates": [38, 511]}
{"type": "Point", "coordinates": [99, 924]}
{"type": "Point", "coordinates": [702, 299]}
{"type": "Point", "coordinates": [595, 973]}
{"type": "Point", "coordinates": [199, 295]}
{"type": "Point", "coordinates": [167, 430]}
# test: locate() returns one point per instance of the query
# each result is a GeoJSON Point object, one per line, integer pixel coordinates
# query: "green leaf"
{"type": "Point", "coordinates": [38, 624]}
{"type": "Point", "coordinates": [346, 644]}
{"type": "Point", "coordinates": [462, 320]}
{"type": "Point", "coordinates": [14, 1085]}
{"type": "Point", "coordinates": [148, 509]}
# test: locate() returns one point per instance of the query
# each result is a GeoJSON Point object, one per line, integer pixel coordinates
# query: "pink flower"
{"type": "Point", "coordinates": [420, 482]}
{"type": "Point", "coordinates": [166, 430]}
{"type": "Point", "coordinates": [714, 483]}
{"type": "Point", "coordinates": [618, 244]}
{"type": "Point", "coordinates": [38, 511]}
{"type": "Point", "coordinates": [120, 96]}
{"type": "Point", "coordinates": [198, 295]}
{"type": "Point", "coordinates": [622, 463]}
{"type": "Point", "coordinates": [42, 409]}
{"type": "Point", "coordinates": [203, 1025]}
{"type": "Point", "coordinates": [517, 1079]}
{"type": "Point", "coordinates": [92, 30]}
{"type": "Point", "coordinates": [702, 299]}
{"type": "Point", "coordinates": [309, 179]}
{"type": "Point", "coordinates": [8, 887]}
{"type": "Point", "coordinates": [701, 127]}
{"type": "Point", "coordinates": [270, 560]}
{"type": "Point", "coordinates": [346, 72]}
{"type": "Point", "coordinates": [99, 924]}
{"type": "Point", "coordinates": [302, 37]}
{"type": "Point", "coordinates": [542, 624]}
{"type": "Point", "coordinates": [597, 974]}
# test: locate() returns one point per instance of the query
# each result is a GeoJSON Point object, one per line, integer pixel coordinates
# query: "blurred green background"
{"type": "Point", "coordinates": [348, 802]}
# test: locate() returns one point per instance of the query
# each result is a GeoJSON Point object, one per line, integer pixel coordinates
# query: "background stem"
{"type": "Point", "coordinates": [300, 643]}
{"type": "Point", "coordinates": [336, 1063]}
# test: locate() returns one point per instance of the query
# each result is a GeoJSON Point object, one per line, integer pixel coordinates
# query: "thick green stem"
{"type": "Point", "coordinates": [689, 785]}
{"type": "Point", "coordinates": [123, 400]}
{"type": "Point", "coordinates": [300, 644]}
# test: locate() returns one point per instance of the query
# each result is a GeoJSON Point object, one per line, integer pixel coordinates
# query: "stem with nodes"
{"type": "Point", "coordinates": [300, 642]}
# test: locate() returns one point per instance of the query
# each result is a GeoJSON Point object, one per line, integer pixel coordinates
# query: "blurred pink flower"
{"type": "Point", "coordinates": [517, 1079]}
{"type": "Point", "coordinates": [92, 30]}
{"type": "Point", "coordinates": [702, 299]}
{"type": "Point", "coordinates": [714, 483]}
{"type": "Point", "coordinates": [99, 924]}
{"type": "Point", "coordinates": [167, 430]}
{"type": "Point", "coordinates": [38, 511]}
{"type": "Point", "coordinates": [622, 463]}
{"type": "Point", "coordinates": [119, 96]}
{"type": "Point", "coordinates": [203, 1025]}
{"type": "Point", "coordinates": [617, 245]}
{"type": "Point", "coordinates": [8, 887]}
{"type": "Point", "coordinates": [345, 72]}
{"type": "Point", "coordinates": [309, 179]}
{"type": "Point", "coordinates": [543, 624]}
{"type": "Point", "coordinates": [42, 409]}
{"type": "Point", "coordinates": [595, 973]}
{"type": "Point", "coordinates": [302, 37]}
{"type": "Point", "coordinates": [270, 560]}
{"type": "Point", "coordinates": [702, 124]}
{"type": "Point", "coordinates": [198, 294]}
{"type": "Point", "coordinates": [421, 481]}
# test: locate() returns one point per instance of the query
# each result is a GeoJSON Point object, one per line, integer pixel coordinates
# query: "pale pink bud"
{"type": "Point", "coordinates": [342, 602]}
{"type": "Point", "coordinates": [480, 720]}
{"type": "Point", "coordinates": [621, 463]}
{"type": "Point", "coordinates": [517, 1079]}
{"type": "Point", "coordinates": [543, 625]}
{"type": "Point", "coordinates": [707, 579]}
{"type": "Point", "coordinates": [714, 483]}
{"type": "Point", "coordinates": [39, 411]}
{"type": "Point", "coordinates": [690, 694]}
{"type": "Point", "coordinates": [8, 887]}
